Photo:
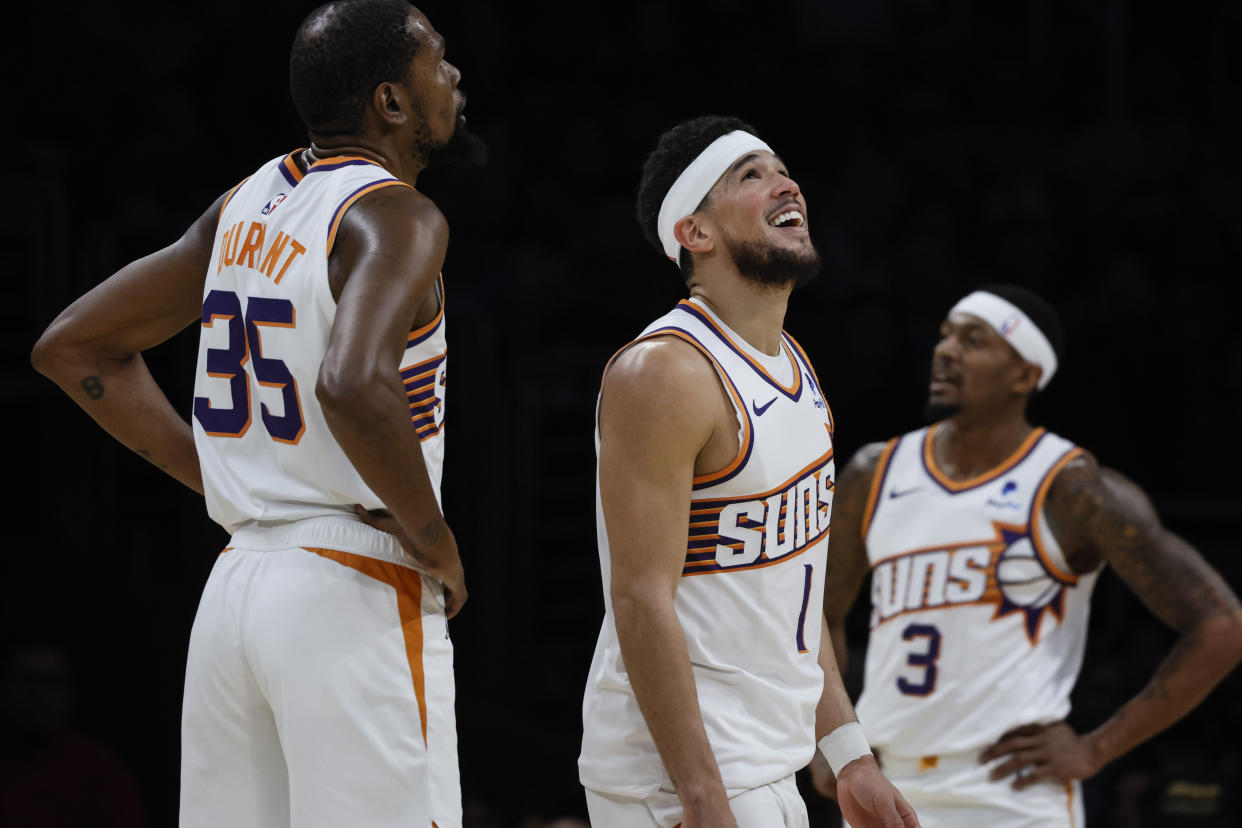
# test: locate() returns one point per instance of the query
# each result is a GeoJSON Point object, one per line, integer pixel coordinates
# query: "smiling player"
{"type": "Point", "coordinates": [985, 535]}
{"type": "Point", "coordinates": [712, 678]}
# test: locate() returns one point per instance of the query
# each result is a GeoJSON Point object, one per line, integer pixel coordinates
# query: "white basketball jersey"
{"type": "Point", "coordinates": [751, 589]}
{"type": "Point", "coordinates": [264, 447]}
{"type": "Point", "coordinates": [978, 625]}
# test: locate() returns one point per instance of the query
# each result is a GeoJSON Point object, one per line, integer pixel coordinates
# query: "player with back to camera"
{"type": "Point", "coordinates": [713, 678]}
{"type": "Point", "coordinates": [984, 536]}
{"type": "Point", "coordinates": [319, 684]}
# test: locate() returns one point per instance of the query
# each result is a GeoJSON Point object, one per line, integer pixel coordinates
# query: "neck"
{"type": "Point", "coordinates": [967, 447]}
{"type": "Point", "coordinates": [756, 313]}
{"type": "Point", "coordinates": [401, 166]}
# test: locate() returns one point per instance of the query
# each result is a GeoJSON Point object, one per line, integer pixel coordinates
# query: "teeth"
{"type": "Point", "coordinates": [791, 216]}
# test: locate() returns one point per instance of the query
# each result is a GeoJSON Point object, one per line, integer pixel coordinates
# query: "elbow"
{"type": "Point", "coordinates": [52, 354]}
{"type": "Point", "coordinates": [341, 390]}
{"type": "Point", "coordinates": [1224, 632]}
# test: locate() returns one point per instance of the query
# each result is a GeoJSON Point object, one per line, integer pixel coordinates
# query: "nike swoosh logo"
{"type": "Point", "coordinates": [759, 409]}
{"type": "Point", "coordinates": [894, 494]}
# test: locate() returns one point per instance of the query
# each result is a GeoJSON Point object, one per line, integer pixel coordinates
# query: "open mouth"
{"type": "Point", "coordinates": [788, 218]}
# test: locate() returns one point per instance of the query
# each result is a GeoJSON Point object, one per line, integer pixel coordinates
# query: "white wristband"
{"type": "Point", "coordinates": [844, 745]}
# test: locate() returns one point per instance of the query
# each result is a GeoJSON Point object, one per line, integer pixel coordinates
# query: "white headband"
{"type": "Point", "coordinates": [697, 180]}
{"type": "Point", "coordinates": [1008, 320]}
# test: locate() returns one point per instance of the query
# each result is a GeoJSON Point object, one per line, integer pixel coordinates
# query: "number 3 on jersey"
{"type": "Point", "coordinates": [925, 660]}
{"type": "Point", "coordinates": [230, 363]}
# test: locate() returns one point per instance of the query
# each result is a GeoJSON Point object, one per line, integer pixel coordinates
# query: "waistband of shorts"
{"type": "Point", "coordinates": [907, 766]}
{"type": "Point", "coordinates": [343, 533]}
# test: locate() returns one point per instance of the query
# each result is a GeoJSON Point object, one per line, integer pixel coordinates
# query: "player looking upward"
{"type": "Point", "coordinates": [319, 684]}
{"type": "Point", "coordinates": [712, 678]}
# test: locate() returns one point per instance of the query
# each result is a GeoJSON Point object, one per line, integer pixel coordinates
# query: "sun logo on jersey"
{"type": "Point", "coordinates": [1007, 571]}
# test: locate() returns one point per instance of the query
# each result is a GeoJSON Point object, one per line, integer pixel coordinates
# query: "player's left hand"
{"type": "Point", "coordinates": [1038, 752]}
{"type": "Point", "coordinates": [869, 800]}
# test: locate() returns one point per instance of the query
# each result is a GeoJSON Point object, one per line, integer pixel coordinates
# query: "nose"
{"type": "Point", "coordinates": [455, 73]}
{"type": "Point", "coordinates": [947, 348]}
{"type": "Point", "coordinates": [786, 187]}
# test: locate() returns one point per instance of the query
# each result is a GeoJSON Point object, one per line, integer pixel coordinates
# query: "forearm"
{"type": "Point", "coordinates": [370, 420]}
{"type": "Point", "coordinates": [1196, 664]}
{"type": "Point", "coordinates": [653, 646]}
{"type": "Point", "coordinates": [834, 708]}
{"type": "Point", "coordinates": [124, 399]}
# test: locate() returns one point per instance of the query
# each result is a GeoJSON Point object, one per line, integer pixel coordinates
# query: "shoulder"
{"type": "Point", "coordinates": [862, 467]}
{"type": "Point", "coordinates": [667, 368]}
{"type": "Point", "coordinates": [1083, 486]}
{"type": "Point", "coordinates": [394, 208]}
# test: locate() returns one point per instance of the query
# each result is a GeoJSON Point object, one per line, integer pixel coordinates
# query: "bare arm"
{"type": "Point", "coordinates": [387, 256]}
{"type": "Point", "coordinates": [847, 548]}
{"type": "Point", "coordinates": [1099, 515]}
{"type": "Point", "coordinates": [655, 418]}
{"type": "Point", "coordinates": [93, 350]}
{"type": "Point", "coordinates": [865, 796]}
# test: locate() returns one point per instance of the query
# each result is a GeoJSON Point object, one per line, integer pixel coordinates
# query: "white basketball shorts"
{"type": "Point", "coordinates": [778, 805]}
{"type": "Point", "coordinates": [319, 686]}
{"type": "Point", "coordinates": [953, 791]}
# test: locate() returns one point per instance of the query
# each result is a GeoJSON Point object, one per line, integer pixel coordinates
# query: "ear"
{"type": "Point", "coordinates": [696, 233]}
{"type": "Point", "coordinates": [389, 104]}
{"type": "Point", "coordinates": [1028, 378]}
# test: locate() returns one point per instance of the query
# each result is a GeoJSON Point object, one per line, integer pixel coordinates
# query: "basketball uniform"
{"type": "Point", "coordinates": [319, 684]}
{"type": "Point", "coordinates": [978, 626]}
{"type": "Point", "coordinates": [749, 598]}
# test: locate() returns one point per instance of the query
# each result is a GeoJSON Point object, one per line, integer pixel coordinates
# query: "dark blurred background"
{"type": "Point", "coordinates": [1084, 148]}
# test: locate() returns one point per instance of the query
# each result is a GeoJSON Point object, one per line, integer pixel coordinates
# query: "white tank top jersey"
{"type": "Point", "coordinates": [752, 585]}
{"type": "Point", "coordinates": [265, 449]}
{"type": "Point", "coordinates": [978, 625]}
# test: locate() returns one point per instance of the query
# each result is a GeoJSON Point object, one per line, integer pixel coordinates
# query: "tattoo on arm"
{"type": "Point", "coordinates": [433, 532]}
{"type": "Point", "coordinates": [1111, 518]}
{"type": "Point", "coordinates": [93, 387]}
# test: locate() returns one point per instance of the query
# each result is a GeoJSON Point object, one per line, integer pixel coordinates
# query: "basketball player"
{"type": "Point", "coordinates": [319, 685]}
{"type": "Point", "coordinates": [985, 536]}
{"type": "Point", "coordinates": [713, 679]}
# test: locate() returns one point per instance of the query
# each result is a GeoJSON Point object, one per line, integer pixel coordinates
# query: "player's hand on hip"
{"type": "Point", "coordinates": [1038, 752]}
{"type": "Point", "coordinates": [443, 563]}
{"type": "Point", "coordinates": [869, 800]}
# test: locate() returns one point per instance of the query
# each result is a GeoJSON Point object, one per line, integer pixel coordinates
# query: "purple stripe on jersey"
{"type": "Point", "coordinates": [750, 426]}
{"type": "Point", "coordinates": [337, 213]}
{"type": "Point", "coordinates": [711, 325]}
{"type": "Point", "coordinates": [425, 336]}
{"type": "Point", "coordinates": [989, 476]}
{"type": "Point", "coordinates": [355, 162]}
{"type": "Point", "coordinates": [422, 367]}
{"type": "Point", "coordinates": [416, 397]}
{"type": "Point", "coordinates": [293, 182]}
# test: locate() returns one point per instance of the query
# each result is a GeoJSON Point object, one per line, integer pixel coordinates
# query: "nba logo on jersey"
{"type": "Point", "coordinates": [273, 204]}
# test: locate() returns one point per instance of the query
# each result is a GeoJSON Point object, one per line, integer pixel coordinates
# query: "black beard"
{"type": "Point", "coordinates": [770, 265]}
{"type": "Point", "coordinates": [934, 412]}
{"type": "Point", "coordinates": [464, 149]}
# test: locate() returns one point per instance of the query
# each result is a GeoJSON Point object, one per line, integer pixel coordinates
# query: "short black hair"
{"type": "Point", "coordinates": [675, 151]}
{"type": "Point", "coordinates": [1040, 312]}
{"type": "Point", "coordinates": [342, 51]}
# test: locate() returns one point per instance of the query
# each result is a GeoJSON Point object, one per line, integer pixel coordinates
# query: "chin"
{"type": "Point", "coordinates": [936, 410]}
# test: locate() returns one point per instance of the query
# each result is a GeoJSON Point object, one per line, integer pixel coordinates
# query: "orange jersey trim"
{"type": "Point", "coordinates": [229, 197]}
{"type": "Point", "coordinates": [832, 421]}
{"type": "Point", "coordinates": [409, 588]}
{"type": "Point", "coordinates": [877, 483]}
{"type": "Point", "coordinates": [792, 390]}
{"type": "Point", "coordinates": [340, 211]}
{"type": "Point", "coordinates": [1037, 509]}
{"type": "Point", "coordinates": [955, 486]}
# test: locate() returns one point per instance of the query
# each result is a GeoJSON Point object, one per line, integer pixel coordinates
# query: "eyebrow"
{"type": "Point", "coordinates": [753, 156]}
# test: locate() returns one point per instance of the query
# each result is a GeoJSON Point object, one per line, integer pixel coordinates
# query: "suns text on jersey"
{"type": "Point", "coordinates": [763, 528]}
